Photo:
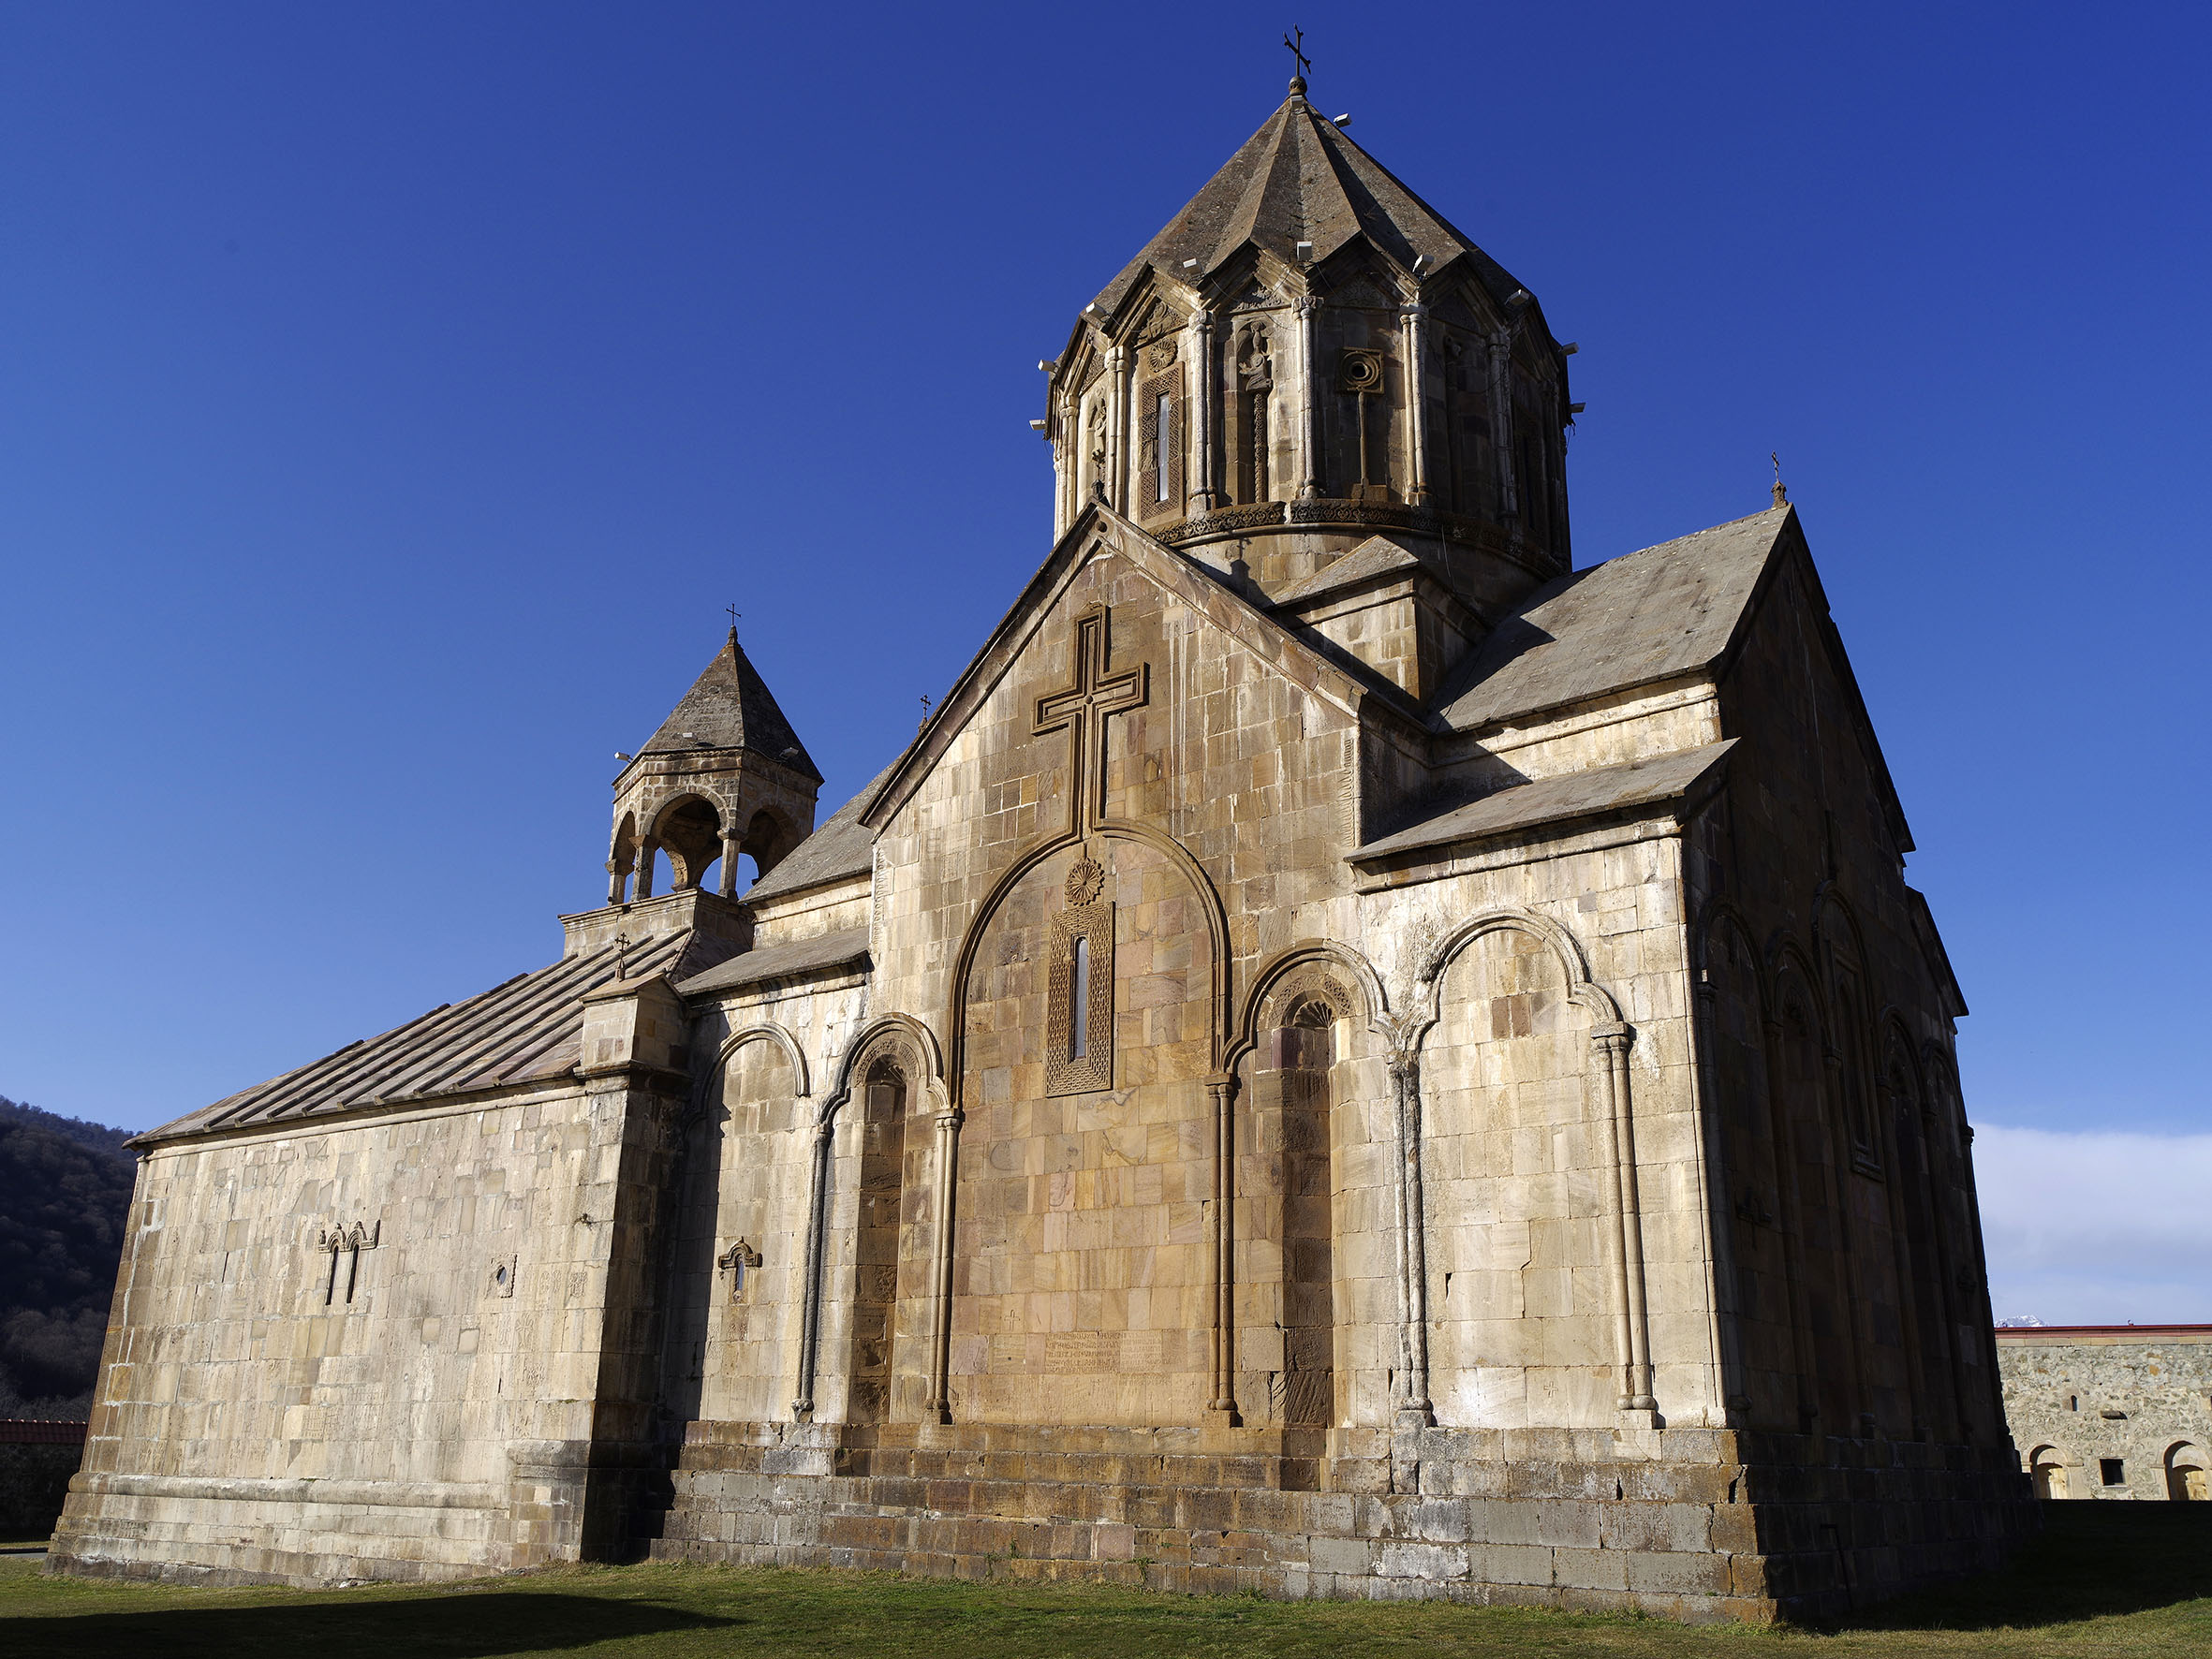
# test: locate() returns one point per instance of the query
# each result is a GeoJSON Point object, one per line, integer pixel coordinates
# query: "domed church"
{"type": "Point", "coordinates": [1350, 1056]}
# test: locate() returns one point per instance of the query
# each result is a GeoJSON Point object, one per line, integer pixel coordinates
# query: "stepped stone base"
{"type": "Point", "coordinates": [1723, 1526]}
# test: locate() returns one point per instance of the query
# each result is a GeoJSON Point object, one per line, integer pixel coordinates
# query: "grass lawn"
{"type": "Point", "coordinates": [2106, 1580]}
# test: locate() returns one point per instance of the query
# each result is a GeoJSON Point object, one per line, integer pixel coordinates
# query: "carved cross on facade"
{"type": "Point", "coordinates": [338, 1241]}
{"type": "Point", "coordinates": [1082, 708]}
{"type": "Point", "coordinates": [737, 1261]}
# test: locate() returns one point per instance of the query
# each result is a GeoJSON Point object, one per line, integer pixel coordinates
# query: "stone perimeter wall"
{"type": "Point", "coordinates": [2076, 1399]}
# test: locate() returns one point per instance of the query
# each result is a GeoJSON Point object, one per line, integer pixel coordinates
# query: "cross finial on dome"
{"type": "Point", "coordinates": [1295, 42]}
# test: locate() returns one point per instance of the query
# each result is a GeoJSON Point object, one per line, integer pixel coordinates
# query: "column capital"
{"type": "Point", "coordinates": [1612, 1037]}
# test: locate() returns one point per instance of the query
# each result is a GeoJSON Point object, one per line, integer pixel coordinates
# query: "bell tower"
{"type": "Point", "coordinates": [724, 777]}
{"type": "Point", "coordinates": [1306, 359]}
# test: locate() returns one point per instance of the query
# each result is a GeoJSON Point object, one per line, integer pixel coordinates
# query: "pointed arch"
{"type": "Point", "coordinates": [1283, 967]}
{"type": "Point", "coordinates": [1581, 991]}
{"type": "Point", "coordinates": [1721, 916]}
{"type": "Point", "coordinates": [1176, 854]}
{"type": "Point", "coordinates": [1835, 925]}
{"type": "Point", "coordinates": [1794, 984]}
{"type": "Point", "coordinates": [688, 827]}
{"type": "Point", "coordinates": [888, 1033]}
{"type": "Point", "coordinates": [770, 1032]}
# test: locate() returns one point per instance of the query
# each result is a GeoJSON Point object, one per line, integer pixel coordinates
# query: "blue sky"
{"type": "Point", "coordinates": [391, 398]}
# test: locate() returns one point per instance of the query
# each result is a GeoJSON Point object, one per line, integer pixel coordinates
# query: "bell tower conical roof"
{"type": "Point", "coordinates": [725, 777]}
{"type": "Point", "coordinates": [1301, 179]}
{"type": "Point", "coordinates": [1309, 355]}
{"type": "Point", "coordinates": [730, 707]}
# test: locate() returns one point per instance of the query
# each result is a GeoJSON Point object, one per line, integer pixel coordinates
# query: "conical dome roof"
{"type": "Point", "coordinates": [1301, 179]}
{"type": "Point", "coordinates": [729, 707]}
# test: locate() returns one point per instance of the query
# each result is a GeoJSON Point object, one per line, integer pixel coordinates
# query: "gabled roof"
{"type": "Point", "coordinates": [1376, 559]}
{"type": "Point", "coordinates": [1301, 179]}
{"type": "Point", "coordinates": [1681, 607]}
{"type": "Point", "coordinates": [1097, 526]}
{"type": "Point", "coordinates": [528, 1030]}
{"type": "Point", "coordinates": [1636, 620]}
{"type": "Point", "coordinates": [729, 707]}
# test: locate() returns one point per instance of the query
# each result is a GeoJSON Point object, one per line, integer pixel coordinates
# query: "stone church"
{"type": "Point", "coordinates": [1348, 1057]}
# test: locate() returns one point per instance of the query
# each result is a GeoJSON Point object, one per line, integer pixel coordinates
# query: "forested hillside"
{"type": "Point", "coordinates": [64, 1190]}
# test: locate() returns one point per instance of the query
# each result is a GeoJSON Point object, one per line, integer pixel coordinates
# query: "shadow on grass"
{"type": "Point", "coordinates": [475, 1625]}
{"type": "Point", "coordinates": [2093, 1560]}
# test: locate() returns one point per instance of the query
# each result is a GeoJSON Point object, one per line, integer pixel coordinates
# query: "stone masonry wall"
{"type": "Point", "coordinates": [2077, 1398]}
{"type": "Point", "coordinates": [1854, 1281]}
{"type": "Point", "coordinates": [260, 1416]}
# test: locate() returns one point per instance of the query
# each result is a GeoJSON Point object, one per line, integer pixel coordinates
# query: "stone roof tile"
{"type": "Point", "coordinates": [526, 1029]}
{"type": "Point", "coordinates": [1377, 558]}
{"type": "Point", "coordinates": [840, 948]}
{"type": "Point", "coordinates": [1300, 177]}
{"type": "Point", "coordinates": [1632, 620]}
{"type": "Point", "coordinates": [729, 707]}
{"type": "Point", "coordinates": [1544, 802]}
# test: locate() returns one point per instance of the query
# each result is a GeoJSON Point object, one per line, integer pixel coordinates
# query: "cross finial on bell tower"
{"type": "Point", "coordinates": [1295, 42]}
{"type": "Point", "coordinates": [1781, 495]}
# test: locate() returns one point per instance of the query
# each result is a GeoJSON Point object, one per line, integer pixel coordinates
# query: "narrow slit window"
{"type": "Point", "coordinates": [1078, 1010]}
{"type": "Point", "coordinates": [1162, 415]}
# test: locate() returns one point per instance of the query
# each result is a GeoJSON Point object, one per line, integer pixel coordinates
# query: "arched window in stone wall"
{"type": "Point", "coordinates": [1466, 428]}
{"type": "Point", "coordinates": [689, 830]}
{"type": "Point", "coordinates": [2189, 1473]}
{"type": "Point", "coordinates": [1289, 1114]}
{"type": "Point", "coordinates": [621, 859]}
{"type": "Point", "coordinates": [883, 1102]}
{"type": "Point", "coordinates": [1250, 433]}
{"type": "Point", "coordinates": [1160, 438]}
{"type": "Point", "coordinates": [2047, 1468]}
{"type": "Point", "coordinates": [767, 838]}
{"type": "Point", "coordinates": [1532, 471]}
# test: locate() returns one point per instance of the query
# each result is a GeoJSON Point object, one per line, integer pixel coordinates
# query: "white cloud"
{"type": "Point", "coordinates": [2096, 1227]}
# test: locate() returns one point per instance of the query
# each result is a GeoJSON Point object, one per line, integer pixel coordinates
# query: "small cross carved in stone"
{"type": "Point", "coordinates": [737, 1261]}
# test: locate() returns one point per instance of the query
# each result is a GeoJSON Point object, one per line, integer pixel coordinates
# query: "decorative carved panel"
{"type": "Point", "coordinates": [1088, 917]}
